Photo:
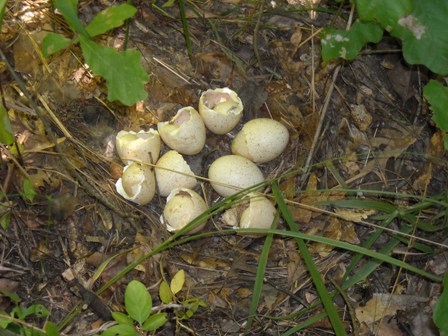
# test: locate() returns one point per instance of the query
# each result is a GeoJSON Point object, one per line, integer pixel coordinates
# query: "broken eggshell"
{"type": "Point", "coordinates": [230, 173]}
{"type": "Point", "coordinates": [185, 132]}
{"type": "Point", "coordinates": [172, 172]}
{"type": "Point", "coordinates": [254, 211]}
{"type": "Point", "coordinates": [221, 109]}
{"type": "Point", "coordinates": [182, 206]}
{"type": "Point", "coordinates": [261, 140]}
{"type": "Point", "coordinates": [137, 184]}
{"type": "Point", "coordinates": [142, 146]}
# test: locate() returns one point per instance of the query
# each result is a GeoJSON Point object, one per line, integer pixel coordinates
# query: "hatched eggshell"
{"type": "Point", "coordinates": [231, 173]}
{"type": "Point", "coordinates": [142, 146]}
{"type": "Point", "coordinates": [182, 206]}
{"type": "Point", "coordinates": [137, 184]}
{"type": "Point", "coordinates": [185, 132]}
{"type": "Point", "coordinates": [259, 214]}
{"type": "Point", "coordinates": [221, 109]}
{"type": "Point", "coordinates": [261, 140]}
{"type": "Point", "coordinates": [177, 173]}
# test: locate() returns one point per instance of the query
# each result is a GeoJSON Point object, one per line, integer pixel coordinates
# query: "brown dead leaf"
{"type": "Point", "coordinates": [351, 215]}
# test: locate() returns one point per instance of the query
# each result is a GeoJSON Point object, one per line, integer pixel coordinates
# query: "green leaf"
{"type": "Point", "coordinates": [110, 18]}
{"type": "Point", "coordinates": [28, 190]}
{"type": "Point", "coordinates": [441, 309]}
{"type": "Point", "coordinates": [4, 322]}
{"type": "Point", "coordinates": [37, 310]}
{"type": "Point", "coordinates": [122, 318]}
{"type": "Point", "coordinates": [52, 43]}
{"type": "Point", "coordinates": [12, 296]}
{"type": "Point", "coordinates": [69, 10]}
{"type": "Point", "coordinates": [6, 132]}
{"type": "Point", "coordinates": [437, 96]}
{"type": "Point", "coordinates": [177, 282]}
{"type": "Point", "coordinates": [51, 329]}
{"type": "Point", "coordinates": [424, 36]}
{"type": "Point", "coordinates": [138, 301]}
{"type": "Point", "coordinates": [121, 330]}
{"type": "Point", "coordinates": [386, 12]}
{"type": "Point", "coordinates": [347, 44]}
{"type": "Point", "coordinates": [165, 293]}
{"type": "Point", "coordinates": [155, 321]}
{"type": "Point", "coordinates": [2, 10]}
{"type": "Point", "coordinates": [125, 77]}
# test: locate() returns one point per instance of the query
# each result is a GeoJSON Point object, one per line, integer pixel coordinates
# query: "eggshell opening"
{"type": "Point", "coordinates": [231, 173]}
{"type": "Point", "coordinates": [259, 214]}
{"type": "Point", "coordinates": [172, 172]}
{"type": "Point", "coordinates": [142, 146]}
{"type": "Point", "coordinates": [221, 110]}
{"type": "Point", "coordinates": [185, 132]}
{"type": "Point", "coordinates": [261, 140]}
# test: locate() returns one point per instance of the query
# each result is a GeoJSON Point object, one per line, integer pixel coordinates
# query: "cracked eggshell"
{"type": "Point", "coordinates": [221, 109]}
{"type": "Point", "coordinates": [182, 206]}
{"type": "Point", "coordinates": [233, 170]}
{"type": "Point", "coordinates": [142, 146]}
{"type": "Point", "coordinates": [185, 132]}
{"type": "Point", "coordinates": [261, 140]}
{"type": "Point", "coordinates": [173, 176]}
{"type": "Point", "coordinates": [259, 213]}
{"type": "Point", "coordinates": [137, 184]}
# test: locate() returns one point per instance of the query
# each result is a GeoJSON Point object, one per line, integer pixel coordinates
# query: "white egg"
{"type": "Point", "coordinates": [221, 109]}
{"type": "Point", "coordinates": [185, 132]}
{"type": "Point", "coordinates": [261, 140]}
{"type": "Point", "coordinates": [182, 206]}
{"type": "Point", "coordinates": [231, 173]}
{"type": "Point", "coordinates": [142, 146]}
{"type": "Point", "coordinates": [137, 184]}
{"type": "Point", "coordinates": [172, 172]}
{"type": "Point", "coordinates": [259, 214]}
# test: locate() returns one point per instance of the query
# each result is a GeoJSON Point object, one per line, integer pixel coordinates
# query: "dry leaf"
{"type": "Point", "coordinates": [351, 215]}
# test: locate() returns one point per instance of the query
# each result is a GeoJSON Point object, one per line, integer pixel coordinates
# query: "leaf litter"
{"type": "Point", "coordinates": [371, 141]}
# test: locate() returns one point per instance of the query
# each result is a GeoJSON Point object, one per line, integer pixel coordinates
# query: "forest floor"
{"type": "Point", "coordinates": [360, 132]}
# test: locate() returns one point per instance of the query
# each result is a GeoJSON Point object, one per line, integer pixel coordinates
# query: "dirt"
{"type": "Point", "coordinates": [374, 133]}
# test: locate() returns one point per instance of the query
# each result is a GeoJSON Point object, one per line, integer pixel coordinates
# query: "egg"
{"type": "Point", "coordinates": [172, 171]}
{"type": "Point", "coordinates": [221, 109]}
{"type": "Point", "coordinates": [261, 140]}
{"type": "Point", "coordinates": [142, 146]}
{"type": "Point", "coordinates": [137, 184]}
{"type": "Point", "coordinates": [231, 173]}
{"type": "Point", "coordinates": [182, 206]}
{"type": "Point", "coordinates": [185, 132]}
{"type": "Point", "coordinates": [254, 211]}
{"type": "Point", "coordinates": [259, 214]}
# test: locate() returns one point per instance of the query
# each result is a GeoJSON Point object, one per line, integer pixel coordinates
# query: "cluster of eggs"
{"type": "Point", "coordinates": [260, 140]}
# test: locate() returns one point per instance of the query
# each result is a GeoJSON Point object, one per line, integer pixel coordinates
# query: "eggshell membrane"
{"type": "Point", "coordinates": [185, 132]}
{"type": "Point", "coordinates": [183, 205]}
{"type": "Point", "coordinates": [142, 146]}
{"type": "Point", "coordinates": [261, 140]}
{"type": "Point", "coordinates": [168, 180]}
{"type": "Point", "coordinates": [259, 214]}
{"type": "Point", "coordinates": [221, 110]}
{"type": "Point", "coordinates": [137, 184]}
{"type": "Point", "coordinates": [233, 170]}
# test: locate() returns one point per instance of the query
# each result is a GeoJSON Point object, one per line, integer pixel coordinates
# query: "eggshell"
{"type": "Point", "coordinates": [261, 140]}
{"type": "Point", "coordinates": [185, 133]}
{"type": "Point", "coordinates": [182, 206]}
{"type": "Point", "coordinates": [221, 109]}
{"type": "Point", "coordinates": [173, 176]}
{"type": "Point", "coordinates": [137, 184]}
{"type": "Point", "coordinates": [259, 214]}
{"type": "Point", "coordinates": [230, 173]}
{"type": "Point", "coordinates": [142, 146]}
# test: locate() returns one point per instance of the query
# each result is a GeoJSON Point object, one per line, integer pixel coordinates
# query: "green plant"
{"type": "Point", "coordinates": [421, 28]}
{"type": "Point", "coordinates": [125, 77]}
{"type": "Point", "coordinates": [441, 309]}
{"type": "Point", "coordinates": [16, 321]}
{"type": "Point", "coordinates": [139, 314]}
